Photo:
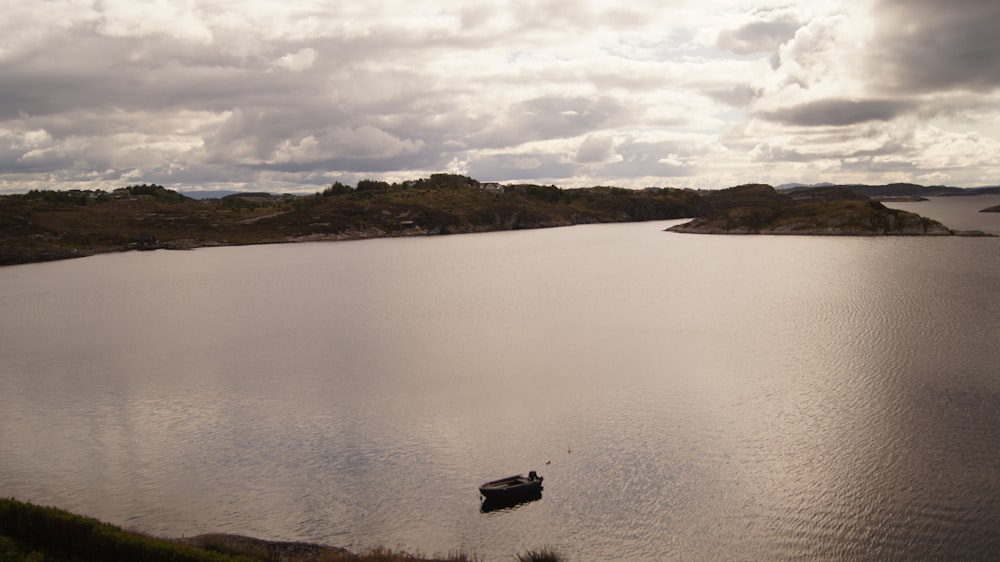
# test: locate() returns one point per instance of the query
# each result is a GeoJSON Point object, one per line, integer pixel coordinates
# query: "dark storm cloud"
{"type": "Point", "coordinates": [85, 70]}
{"type": "Point", "coordinates": [928, 45]}
{"type": "Point", "coordinates": [837, 112]}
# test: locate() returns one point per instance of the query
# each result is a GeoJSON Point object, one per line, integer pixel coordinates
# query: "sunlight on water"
{"type": "Point", "coordinates": [685, 397]}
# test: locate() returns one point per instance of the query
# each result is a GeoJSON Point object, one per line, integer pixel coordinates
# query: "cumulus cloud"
{"type": "Point", "coordinates": [552, 116]}
{"type": "Point", "coordinates": [769, 153]}
{"type": "Point", "coordinates": [826, 51]}
{"type": "Point", "coordinates": [181, 19]}
{"type": "Point", "coordinates": [739, 95]}
{"type": "Point", "coordinates": [764, 32]}
{"type": "Point", "coordinates": [290, 95]}
{"type": "Point", "coordinates": [298, 61]}
{"type": "Point", "coordinates": [596, 149]}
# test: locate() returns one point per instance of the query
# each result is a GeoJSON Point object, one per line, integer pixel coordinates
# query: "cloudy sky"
{"type": "Point", "coordinates": [292, 95]}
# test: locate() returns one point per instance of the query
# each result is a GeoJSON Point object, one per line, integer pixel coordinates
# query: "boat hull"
{"type": "Point", "coordinates": [511, 488]}
{"type": "Point", "coordinates": [503, 504]}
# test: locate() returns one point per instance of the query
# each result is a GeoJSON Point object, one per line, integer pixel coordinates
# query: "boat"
{"type": "Point", "coordinates": [505, 504]}
{"type": "Point", "coordinates": [512, 487]}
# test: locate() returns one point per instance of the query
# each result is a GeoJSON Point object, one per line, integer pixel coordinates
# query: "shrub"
{"type": "Point", "coordinates": [540, 555]}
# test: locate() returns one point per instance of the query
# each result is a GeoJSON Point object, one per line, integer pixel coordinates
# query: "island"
{"type": "Point", "coordinates": [829, 211]}
{"type": "Point", "coordinates": [993, 209]}
{"type": "Point", "coordinates": [43, 225]}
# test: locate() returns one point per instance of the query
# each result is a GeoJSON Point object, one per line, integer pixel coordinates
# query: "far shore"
{"type": "Point", "coordinates": [43, 226]}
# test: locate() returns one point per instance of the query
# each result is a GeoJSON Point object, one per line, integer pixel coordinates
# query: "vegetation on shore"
{"type": "Point", "coordinates": [35, 533]}
{"type": "Point", "coordinates": [51, 225]}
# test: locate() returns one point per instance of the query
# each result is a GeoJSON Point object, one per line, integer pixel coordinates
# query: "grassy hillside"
{"type": "Point", "coordinates": [31, 532]}
{"type": "Point", "coordinates": [34, 533]}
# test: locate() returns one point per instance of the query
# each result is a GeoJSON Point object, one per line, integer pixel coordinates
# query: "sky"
{"type": "Point", "coordinates": [291, 96]}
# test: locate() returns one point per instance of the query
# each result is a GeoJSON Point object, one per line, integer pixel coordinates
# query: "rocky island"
{"type": "Point", "coordinates": [828, 211]}
{"type": "Point", "coordinates": [50, 225]}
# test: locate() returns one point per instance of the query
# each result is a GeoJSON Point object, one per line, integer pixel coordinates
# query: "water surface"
{"type": "Point", "coordinates": [684, 396]}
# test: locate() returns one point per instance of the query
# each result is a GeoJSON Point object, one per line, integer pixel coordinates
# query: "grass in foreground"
{"type": "Point", "coordinates": [35, 533]}
{"type": "Point", "coordinates": [541, 555]}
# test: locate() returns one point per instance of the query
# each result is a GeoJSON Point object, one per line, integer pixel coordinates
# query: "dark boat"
{"type": "Point", "coordinates": [512, 487]}
{"type": "Point", "coordinates": [504, 504]}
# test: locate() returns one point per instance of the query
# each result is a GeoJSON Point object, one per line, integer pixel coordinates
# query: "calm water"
{"type": "Point", "coordinates": [686, 397]}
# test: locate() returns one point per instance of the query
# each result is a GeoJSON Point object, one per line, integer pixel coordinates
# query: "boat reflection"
{"type": "Point", "coordinates": [501, 504]}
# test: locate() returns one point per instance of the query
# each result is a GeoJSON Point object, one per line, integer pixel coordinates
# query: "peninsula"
{"type": "Point", "coordinates": [51, 225]}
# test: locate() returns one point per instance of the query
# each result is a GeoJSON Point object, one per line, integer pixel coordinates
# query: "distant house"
{"type": "Point", "coordinates": [494, 187]}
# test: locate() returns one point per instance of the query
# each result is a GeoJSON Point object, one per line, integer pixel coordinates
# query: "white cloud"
{"type": "Point", "coordinates": [574, 93]}
{"type": "Point", "coordinates": [765, 32]}
{"type": "Point", "coordinates": [597, 149]}
{"type": "Point", "coordinates": [180, 19]}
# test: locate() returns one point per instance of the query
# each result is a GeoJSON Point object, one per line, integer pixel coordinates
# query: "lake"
{"type": "Point", "coordinates": [686, 397]}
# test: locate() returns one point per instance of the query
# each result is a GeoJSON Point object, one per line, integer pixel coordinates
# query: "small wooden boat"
{"type": "Point", "coordinates": [504, 504]}
{"type": "Point", "coordinates": [512, 487]}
